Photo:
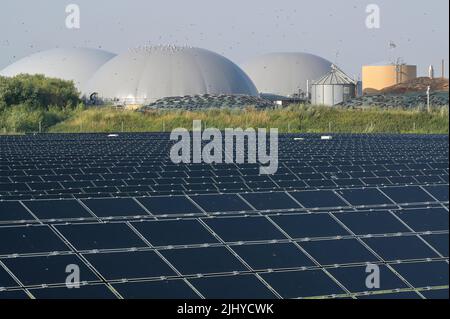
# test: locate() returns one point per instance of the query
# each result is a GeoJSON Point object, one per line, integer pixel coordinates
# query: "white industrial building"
{"type": "Point", "coordinates": [76, 64]}
{"type": "Point", "coordinates": [286, 74]}
{"type": "Point", "coordinates": [144, 75]}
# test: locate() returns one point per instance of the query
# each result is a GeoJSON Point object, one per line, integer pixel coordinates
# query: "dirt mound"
{"type": "Point", "coordinates": [418, 85]}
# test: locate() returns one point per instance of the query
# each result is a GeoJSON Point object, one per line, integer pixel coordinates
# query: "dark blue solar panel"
{"type": "Point", "coordinates": [115, 207]}
{"type": "Point", "coordinates": [400, 248]}
{"type": "Point", "coordinates": [31, 239]}
{"type": "Point", "coordinates": [355, 279]}
{"type": "Point", "coordinates": [411, 194]}
{"type": "Point", "coordinates": [438, 242]}
{"type": "Point", "coordinates": [223, 230]}
{"type": "Point", "coordinates": [129, 265]}
{"type": "Point", "coordinates": [268, 201]}
{"type": "Point", "coordinates": [165, 289]}
{"type": "Point", "coordinates": [6, 281]}
{"type": "Point", "coordinates": [238, 229]}
{"type": "Point", "coordinates": [100, 236]}
{"type": "Point", "coordinates": [424, 274]}
{"type": "Point", "coordinates": [175, 232]}
{"type": "Point", "coordinates": [221, 203]}
{"type": "Point", "coordinates": [212, 260]}
{"type": "Point", "coordinates": [365, 197]}
{"type": "Point", "coordinates": [273, 256]}
{"type": "Point", "coordinates": [13, 211]}
{"type": "Point", "coordinates": [374, 222]}
{"type": "Point", "coordinates": [318, 199]}
{"type": "Point", "coordinates": [169, 205]}
{"type": "Point", "coordinates": [300, 284]}
{"type": "Point", "coordinates": [235, 287]}
{"type": "Point", "coordinates": [64, 209]}
{"type": "Point", "coordinates": [430, 219]}
{"type": "Point", "coordinates": [310, 225]}
{"type": "Point", "coordinates": [47, 269]}
{"type": "Point", "coordinates": [440, 192]}
{"type": "Point", "coordinates": [344, 251]}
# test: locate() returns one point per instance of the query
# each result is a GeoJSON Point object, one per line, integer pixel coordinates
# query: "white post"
{"type": "Point", "coordinates": [428, 99]}
{"type": "Point", "coordinates": [307, 90]}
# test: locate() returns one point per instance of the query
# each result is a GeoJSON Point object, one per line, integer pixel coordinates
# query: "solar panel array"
{"type": "Point", "coordinates": [139, 226]}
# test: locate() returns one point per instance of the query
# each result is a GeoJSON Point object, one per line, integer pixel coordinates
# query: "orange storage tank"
{"type": "Point", "coordinates": [378, 77]}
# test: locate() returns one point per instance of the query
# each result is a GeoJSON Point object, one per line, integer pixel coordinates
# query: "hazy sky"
{"type": "Point", "coordinates": [238, 29]}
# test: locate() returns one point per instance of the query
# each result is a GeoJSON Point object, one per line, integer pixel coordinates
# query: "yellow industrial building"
{"type": "Point", "coordinates": [378, 77]}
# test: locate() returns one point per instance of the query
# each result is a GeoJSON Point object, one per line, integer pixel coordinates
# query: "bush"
{"type": "Point", "coordinates": [24, 118]}
{"type": "Point", "coordinates": [37, 92]}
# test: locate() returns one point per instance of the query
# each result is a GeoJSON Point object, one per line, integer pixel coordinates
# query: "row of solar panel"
{"type": "Point", "coordinates": [217, 176]}
{"type": "Point", "coordinates": [223, 269]}
{"type": "Point", "coordinates": [346, 147]}
{"type": "Point", "coordinates": [242, 287]}
{"type": "Point", "coordinates": [221, 203]}
{"type": "Point", "coordinates": [37, 166]}
{"type": "Point", "coordinates": [337, 229]}
{"type": "Point", "coordinates": [137, 148]}
{"type": "Point", "coordinates": [91, 182]}
{"type": "Point", "coordinates": [161, 190]}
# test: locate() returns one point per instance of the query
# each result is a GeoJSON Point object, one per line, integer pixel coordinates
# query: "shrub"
{"type": "Point", "coordinates": [38, 92]}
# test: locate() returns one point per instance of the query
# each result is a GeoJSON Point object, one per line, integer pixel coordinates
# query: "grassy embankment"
{"type": "Point", "coordinates": [308, 119]}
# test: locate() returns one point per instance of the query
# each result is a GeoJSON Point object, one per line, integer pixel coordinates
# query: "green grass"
{"type": "Point", "coordinates": [308, 119]}
{"type": "Point", "coordinates": [294, 119]}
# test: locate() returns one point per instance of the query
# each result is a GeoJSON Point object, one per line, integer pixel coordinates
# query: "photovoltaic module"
{"type": "Point", "coordinates": [139, 226]}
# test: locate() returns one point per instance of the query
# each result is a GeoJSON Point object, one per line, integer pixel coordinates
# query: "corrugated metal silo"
{"type": "Point", "coordinates": [333, 88]}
